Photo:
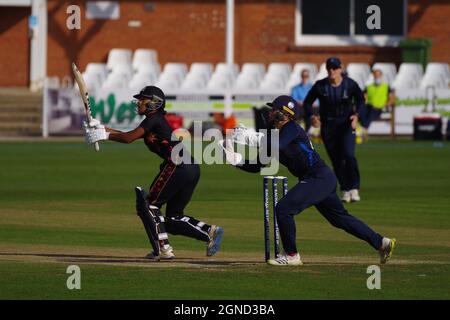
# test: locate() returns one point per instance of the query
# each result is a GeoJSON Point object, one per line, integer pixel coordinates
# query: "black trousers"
{"type": "Point", "coordinates": [319, 189]}
{"type": "Point", "coordinates": [339, 140]}
{"type": "Point", "coordinates": [174, 187]}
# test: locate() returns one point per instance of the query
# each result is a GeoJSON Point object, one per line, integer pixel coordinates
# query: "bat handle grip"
{"type": "Point", "coordinates": [97, 147]}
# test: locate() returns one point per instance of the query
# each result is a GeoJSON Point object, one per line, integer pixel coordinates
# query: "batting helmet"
{"type": "Point", "coordinates": [155, 95]}
{"type": "Point", "coordinates": [286, 105]}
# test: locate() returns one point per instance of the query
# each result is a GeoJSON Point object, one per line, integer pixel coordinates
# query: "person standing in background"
{"type": "Point", "coordinates": [338, 119]}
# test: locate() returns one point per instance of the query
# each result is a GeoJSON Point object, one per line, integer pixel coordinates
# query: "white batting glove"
{"type": "Point", "coordinates": [94, 135]}
{"type": "Point", "coordinates": [94, 123]}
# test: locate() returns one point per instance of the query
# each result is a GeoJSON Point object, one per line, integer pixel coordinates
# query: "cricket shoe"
{"type": "Point", "coordinates": [354, 195]}
{"type": "Point", "coordinates": [286, 260]}
{"type": "Point", "coordinates": [165, 254]}
{"type": "Point", "coordinates": [215, 234]}
{"type": "Point", "coordinates": [346, 196]}
{"type": "Point", "coordinates": [386, 250]}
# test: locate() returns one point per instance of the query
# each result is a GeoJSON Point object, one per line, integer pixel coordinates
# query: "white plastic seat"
{"type": "Point", "coordinates": [118, 57]}
{"type": "Point", "coordinates": [225, 68]}
{"type": "Point", "coordinates": [153, 68]}
{"type": "Point", "coordinates": [437, 68]}
{"type": "Point", "coordinates": [98, 69]}
{"type": "Point", "coordinates": [169, 80]}
{"type": "Point", "coordinates": [194, 81]}
{"type": "Point", "coordinates": [141, 80]}
{"type": "Point", "coordinates": [281, 69]}
{"type": "Point", "coordinates": [438, 81]}
{"type": "Point", "coordinates": [143, 57]}
{"type": "Point", "coordinates": [168, 86]}
{"type": "Point", "coordinates": [228, 74]}
{"type": "Point", "coordinates": [362, 69]}
{"type": "Point", "coordinates": [201, 68]}
{"type": "Point", "coordinates": [256, 70]}
{"type": "Point", "coordinates": [272, 83]}
{"type": "Point", "coordinates": [405, 82]}
{"type": "Point", "coordinates": [409, 76]}
{"type": "Point", "coordinates": [115, 81]}
{"type": "Point", "coordinates": [359, 72]}
{"type": "Point", "coordinates": [220, 82]}
{"type": "Point", "coordinates": [179, 69]}
{"type": "Point", "coordinates": [198, 76]}
{"type": "Point", "coordinates": [124, 70]}
{"type": "Point", "coordinates": [246, 81]}
{"type": "Point", "coordinates": [226, 71]}
{"type": "Point", "coordinates": [277, 79]}
{"type": "Point", "coordinates": [414, 69]}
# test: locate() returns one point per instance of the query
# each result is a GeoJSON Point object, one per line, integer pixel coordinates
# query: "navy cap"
{"type": "Point", "coordinates": [333, 62]}
{"type": "Point", "coordinates": [149, 92]}
{"type": "Point", "coordinates": [287, 105]}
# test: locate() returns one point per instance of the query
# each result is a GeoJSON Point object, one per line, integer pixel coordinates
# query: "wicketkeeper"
{"type": "Point", "coordinates": [173, 186]}
{"type": "Point", "coordinates": [316, 183]}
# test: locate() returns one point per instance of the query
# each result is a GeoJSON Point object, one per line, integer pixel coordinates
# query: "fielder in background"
{"type": "Point", "coordinates": [173, 186]}
{"type": "Point", "coordinates": [338, 120]}
{"type": "Point", "coordinates": [316, 183]}
{"type": "Point", "coordinates": [379, 95]}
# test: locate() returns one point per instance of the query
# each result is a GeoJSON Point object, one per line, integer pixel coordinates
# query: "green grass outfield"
{"type": "Point", "coordinates": [62, 204]}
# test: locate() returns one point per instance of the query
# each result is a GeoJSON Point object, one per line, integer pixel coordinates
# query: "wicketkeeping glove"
{"type": "Point", "coordinates": [243, 135]}
{"type": "Point", "coordinates": [232, 157]}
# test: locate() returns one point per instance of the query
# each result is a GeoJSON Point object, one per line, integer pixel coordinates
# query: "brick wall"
{"type": "Point", "coordinates": [179, 31]}
{"type": "Point", "coordinates": [14, 47]}
{"type": "Point", "coordinates": [190, 31]}
{"type": "Point", "coordinates": [266, 33]}
{"type": "Point", "coordinates": [431, 19]}
{"type": "Point", "coordinates": [195, 31]}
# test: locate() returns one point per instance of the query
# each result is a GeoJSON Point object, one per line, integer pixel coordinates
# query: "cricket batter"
{"type": "Point", "coordinates": [316, 183]}
{"type": "Point", "coordinates": [173, 186]}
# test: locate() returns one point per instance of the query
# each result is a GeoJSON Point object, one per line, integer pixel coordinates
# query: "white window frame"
{"type": "Point", "coordinates": [15, 3]}
{"type": "Point", "coordinates": [333, 40]}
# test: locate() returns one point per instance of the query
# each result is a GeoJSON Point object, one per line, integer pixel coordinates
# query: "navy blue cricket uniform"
{"type": "Point", "coordinates": [316, 187]}
{"type": "Point", "coordinates": [336, 107]}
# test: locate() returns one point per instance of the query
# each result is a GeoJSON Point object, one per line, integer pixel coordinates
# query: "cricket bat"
{"type": "Point", "coordinates": [84, 96]}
